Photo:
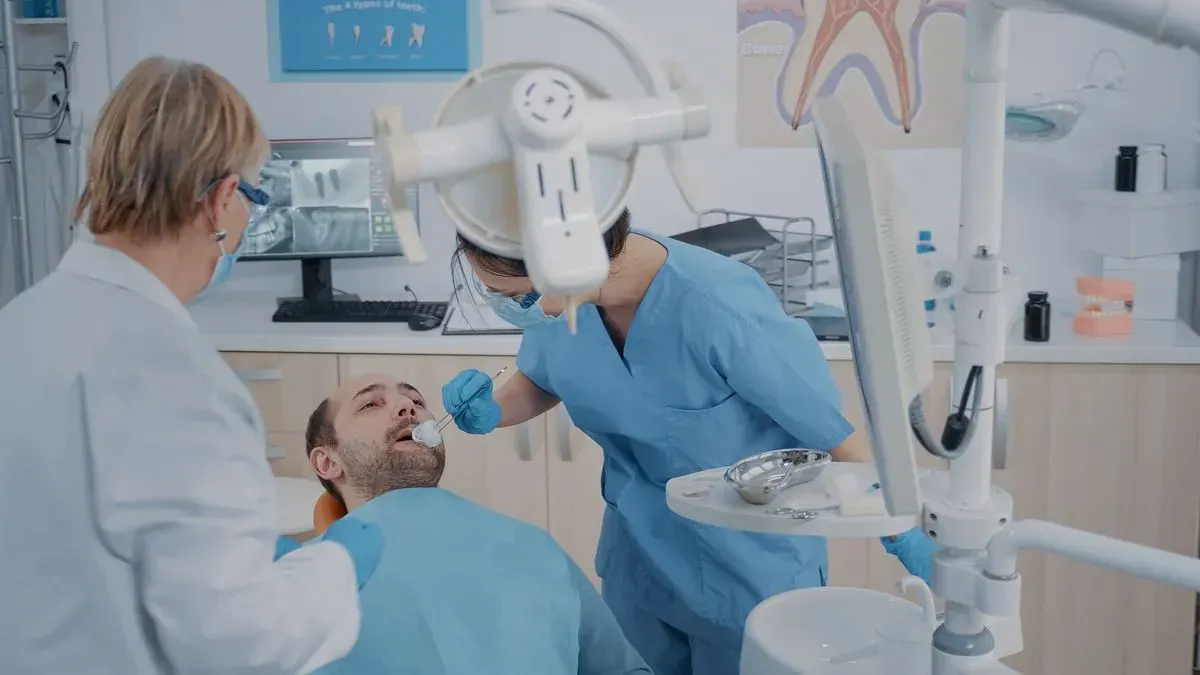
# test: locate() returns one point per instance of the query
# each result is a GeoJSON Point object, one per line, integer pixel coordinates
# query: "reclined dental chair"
{"type": "Point", "coordinates": [326, 510]}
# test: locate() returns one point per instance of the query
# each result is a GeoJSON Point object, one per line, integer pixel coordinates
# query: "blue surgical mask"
{"type": "Point", "coordinates": [225, 263]}
{"type": "Point", "coordinates": [523, 311]}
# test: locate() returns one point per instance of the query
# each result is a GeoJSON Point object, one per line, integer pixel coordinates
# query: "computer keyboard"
{"type": "Point", "coordinates": [357, 311]}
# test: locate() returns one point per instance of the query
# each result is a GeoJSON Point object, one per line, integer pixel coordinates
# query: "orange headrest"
{"type": "Point", "coordinates": [327, 510]}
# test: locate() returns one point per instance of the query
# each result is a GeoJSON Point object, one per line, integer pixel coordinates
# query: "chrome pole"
{"type": "Point", "coordinates": [16, 156]}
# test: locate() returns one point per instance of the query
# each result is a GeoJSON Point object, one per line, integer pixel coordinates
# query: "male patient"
{"type": "Point", "coordinates": [460, 589]}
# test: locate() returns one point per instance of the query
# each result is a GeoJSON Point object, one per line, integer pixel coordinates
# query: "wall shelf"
{"type": "Point", "coordinates": [1136, 225]}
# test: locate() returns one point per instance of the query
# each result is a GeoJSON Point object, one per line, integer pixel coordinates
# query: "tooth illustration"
{"type": "Point", "coordinates": [838, 14]}
{"type": "Point", "coordinates": [418, 35]}
{"type": "Point", "coordinates": [332, 30]}
{"type": "Point", "coordinates": [388, 33]}
{"type": "Point", "coordinates": [357, 33]}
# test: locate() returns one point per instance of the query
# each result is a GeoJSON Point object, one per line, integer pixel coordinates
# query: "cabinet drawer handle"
{"type": "Point", "coordinates": [264, 375]}
{"type": "Point", "coordinates": [564, 435]}
{"type": "Point", "coordinates": [524, 443]}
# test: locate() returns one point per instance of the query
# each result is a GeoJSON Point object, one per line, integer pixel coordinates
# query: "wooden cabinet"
{"type": "Point", "coordinates": [504, 470]}
{"type": "Point", "coordinates": [1110, 449]}
{"type": "Point", "coordinates": [287, 388]}
{"type": "Point", "coordinates": [1115, 450]}
{"type": "Point", "coordinates": [1107, 448]}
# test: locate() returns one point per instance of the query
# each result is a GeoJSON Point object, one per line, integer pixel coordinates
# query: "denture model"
{"type": "Point", "coordinates": [1107, 308]}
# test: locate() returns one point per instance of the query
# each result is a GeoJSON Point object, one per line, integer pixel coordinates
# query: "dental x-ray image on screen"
{"type": "Point", "coordinates": [331, 182]}
{"type": "Point", "coordinates": [271, 228]}
{"type": "Point", "coordinates": [327, 200]}
{"type": "Point", "coordinates": [317, 206]}
{"type": "Point", "coordinates": [331, 229]}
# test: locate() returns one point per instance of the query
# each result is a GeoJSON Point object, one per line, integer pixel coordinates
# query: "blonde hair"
{"type": "Point", "coordinates": [165, 134]}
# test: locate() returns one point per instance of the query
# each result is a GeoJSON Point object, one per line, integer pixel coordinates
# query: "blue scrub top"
{"type": "Point", "coordinates": [712, 371]}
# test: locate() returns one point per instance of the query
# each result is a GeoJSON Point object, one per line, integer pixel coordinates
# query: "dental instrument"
{"type": "Point", "coordinates": [759, 479]}
{"type": "Point", "coordinates": [486, 137]}
{"type": "Point", "coordinates": [429, 432]}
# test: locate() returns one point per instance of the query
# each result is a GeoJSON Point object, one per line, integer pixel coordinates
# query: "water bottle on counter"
{"type": "Point", "coordinates": [925, 245]}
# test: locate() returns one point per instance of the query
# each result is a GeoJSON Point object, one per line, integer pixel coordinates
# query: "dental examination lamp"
{"type": "Point", "coordinates": [535, 160]}
{"type": "Point", "coordinates": [883, 287]}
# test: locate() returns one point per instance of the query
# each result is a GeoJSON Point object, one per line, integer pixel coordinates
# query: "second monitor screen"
{"type": "Point", "coordinates": [321, 207]}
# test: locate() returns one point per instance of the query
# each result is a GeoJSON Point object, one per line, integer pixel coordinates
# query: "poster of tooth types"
{"type": "Point", "coordinates": [374, 35]}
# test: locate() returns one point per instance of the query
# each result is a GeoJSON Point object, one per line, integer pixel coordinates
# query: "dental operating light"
{"type": "Point", "coordinates": [535, 160]}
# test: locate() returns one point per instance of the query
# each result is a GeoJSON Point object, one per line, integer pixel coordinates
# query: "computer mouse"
{"type": "Point", "coordinates": [423, 322]}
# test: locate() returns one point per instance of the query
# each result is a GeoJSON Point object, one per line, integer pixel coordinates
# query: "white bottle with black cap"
{"type": "Point", "coordinates": [1151, 169]}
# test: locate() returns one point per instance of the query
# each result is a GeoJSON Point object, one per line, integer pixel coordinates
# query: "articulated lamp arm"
{"type": "Point", "coordinates": [1171, 22]}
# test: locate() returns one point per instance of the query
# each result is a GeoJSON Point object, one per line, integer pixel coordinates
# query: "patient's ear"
{"type": "Point", "coordinates": [325, 464]}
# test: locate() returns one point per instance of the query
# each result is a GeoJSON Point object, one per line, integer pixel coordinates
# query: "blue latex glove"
{"type": "Point", "coordinates": [915, 550]}
{"type": "Point", "coordinates": [284, 546]}
{"type": "Point", "coordinates": [363, 541]}
{"type": "Point", "coordinates": [481, 414]}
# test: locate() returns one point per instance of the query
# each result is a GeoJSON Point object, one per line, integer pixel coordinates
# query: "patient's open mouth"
{"type": "Point", "coordinates": [402, 434]}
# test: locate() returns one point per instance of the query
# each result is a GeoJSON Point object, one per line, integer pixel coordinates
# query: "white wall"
{"type": "Point", "coordinates": [1054, 54]}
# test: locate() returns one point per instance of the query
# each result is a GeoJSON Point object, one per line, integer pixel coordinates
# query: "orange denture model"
{"type": "Point", "coordinates": [1107, 309]}
{"type": "Point", "coordinates": [327, 510]}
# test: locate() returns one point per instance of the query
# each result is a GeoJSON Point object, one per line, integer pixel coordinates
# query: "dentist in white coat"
{"type": "Point", "coordinates": [137, 524]}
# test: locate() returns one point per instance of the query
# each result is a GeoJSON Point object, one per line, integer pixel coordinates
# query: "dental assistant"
{"type": "Point", "coordinates": [684, 360]}
{"type": "Point", "coordinates": [139, 530]}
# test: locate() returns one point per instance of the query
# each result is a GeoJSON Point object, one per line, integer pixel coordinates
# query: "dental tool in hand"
{"type": "Point", "coordinates": [429, 432]}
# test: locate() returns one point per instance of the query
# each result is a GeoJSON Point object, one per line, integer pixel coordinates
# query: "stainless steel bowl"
{"type": "Point", "coordinates": [760, 479]}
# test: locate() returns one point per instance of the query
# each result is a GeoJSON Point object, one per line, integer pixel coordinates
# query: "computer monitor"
{"type": "Point", "coordinates": [328, 200]}
{"type": "Point", "coordinates": [873, 237]}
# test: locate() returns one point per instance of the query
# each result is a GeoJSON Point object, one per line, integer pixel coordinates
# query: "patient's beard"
{"type": "Point", "coordinates": [374, 468]}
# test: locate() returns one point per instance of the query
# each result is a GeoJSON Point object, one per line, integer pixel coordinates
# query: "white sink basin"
{"type": "Point", "coordinates": [295, 499]}
{"type": "Point", "coordinates": [798, 632]}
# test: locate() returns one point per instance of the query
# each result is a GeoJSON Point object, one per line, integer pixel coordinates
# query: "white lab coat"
{"type": "Point", "coordinates": [137, 516]}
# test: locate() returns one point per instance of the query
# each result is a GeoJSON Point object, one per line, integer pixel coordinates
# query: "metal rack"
{"type": "Point", "coordinates": [14, 154]}
{"type": "Point", "coordinates": [793, 267]}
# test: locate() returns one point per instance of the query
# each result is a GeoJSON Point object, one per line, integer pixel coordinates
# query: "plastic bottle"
{"type": "Point", "coordinates": [1151, 169]}
{"type": "Point", "coordinates": [1126, 173]}
{"type": "Point", "coordinates": [925, 245]}
{"type": "Point", "coordinates": [1037, 317]}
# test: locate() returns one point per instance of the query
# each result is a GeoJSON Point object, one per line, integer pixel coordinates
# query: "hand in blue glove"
{"type": "Point", "coordinates": [915, 550]}
{"type": "Point", "coordinates": [363, 541]}
{"type": "Point", "coordinates": [469, 397]}
{"type": "Point", "coordinates": [284, 546]}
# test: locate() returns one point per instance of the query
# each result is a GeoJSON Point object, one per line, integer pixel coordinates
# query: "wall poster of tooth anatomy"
{"type": "Point", "coordinates": [896, 66]}
{"type": "Point", "coordinates": [375, 36]}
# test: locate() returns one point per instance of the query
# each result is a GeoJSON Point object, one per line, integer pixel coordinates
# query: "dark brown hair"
{"type": "Point", "coordinates": [320, 433]}
{"type": "Point", "coordinates": [614, 241]}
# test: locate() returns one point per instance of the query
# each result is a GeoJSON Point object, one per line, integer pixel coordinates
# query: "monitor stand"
{"type": "Point", "coordinates": [316, 276]}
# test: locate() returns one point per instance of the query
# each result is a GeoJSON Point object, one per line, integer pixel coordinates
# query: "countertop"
{"type": "Point", "coordinates": [241, 322]}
